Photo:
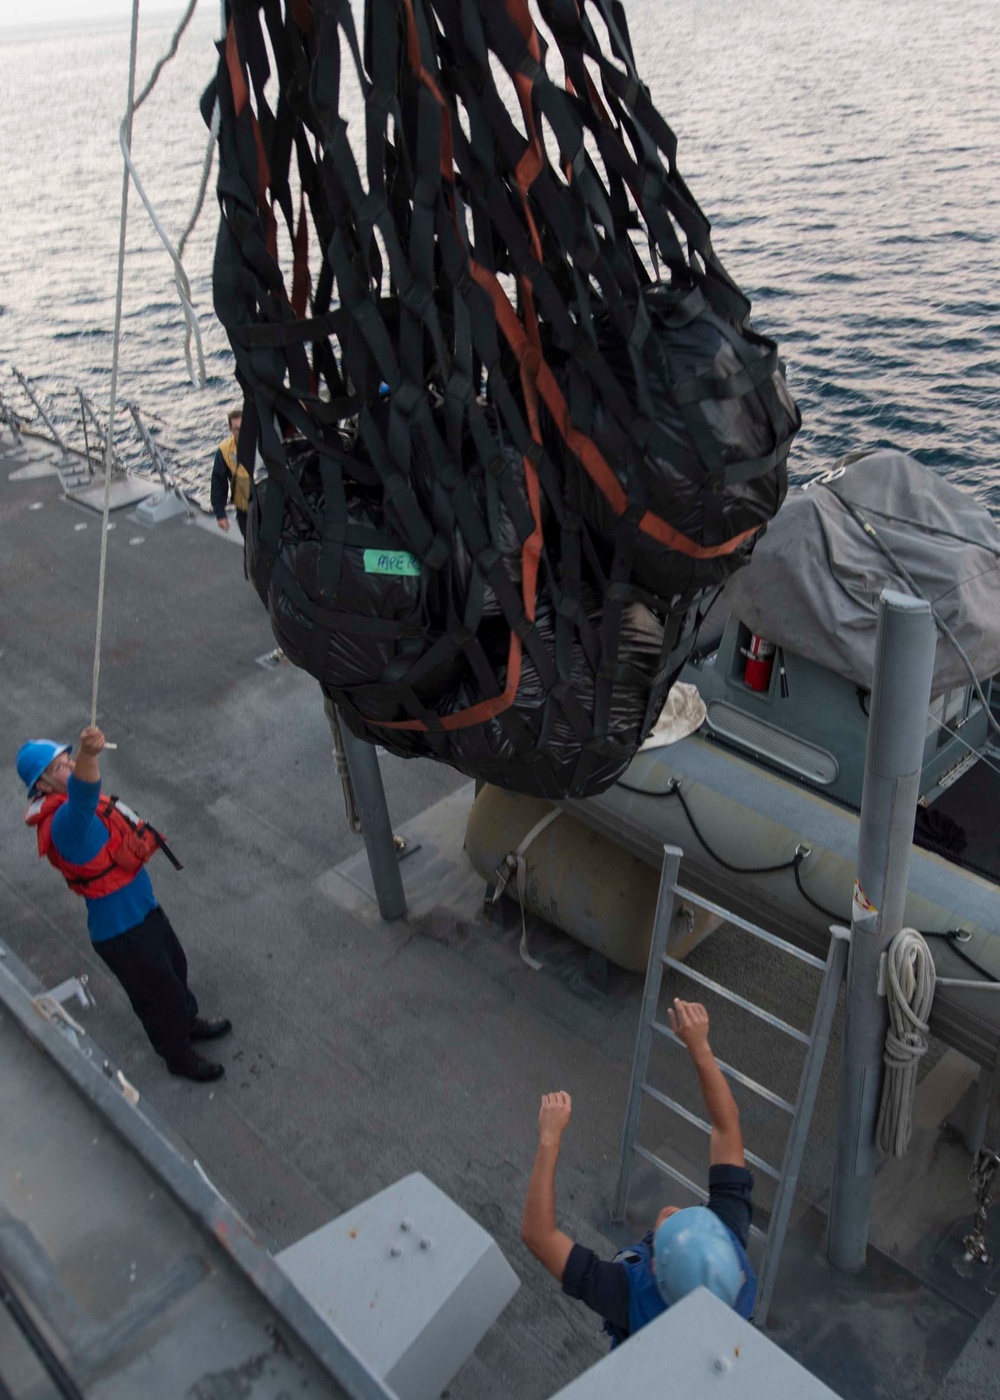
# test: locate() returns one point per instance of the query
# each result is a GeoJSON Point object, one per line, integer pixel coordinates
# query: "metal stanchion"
{"type": "Point", "coordinates": [897, 728]}
{"type": "Point", "coordinates": [369, 795]}
{"type": "Point", "coordinates": [56, 435]}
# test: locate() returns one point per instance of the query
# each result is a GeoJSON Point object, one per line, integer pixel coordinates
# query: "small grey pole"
{"type": "Point", "coordinates": [897, 729]}
{"type": "Point", "coordinates": [41, 411]}
{"type": "Point", "coordinates": [366, 779]}
{"type": "Point", "coordinates": [87, 411]}
{"type": "Point", "coordinates": [152, 451]}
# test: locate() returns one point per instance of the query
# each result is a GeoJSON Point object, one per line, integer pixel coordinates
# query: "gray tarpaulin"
{"type": "Point", "coordinates": [814, 581]}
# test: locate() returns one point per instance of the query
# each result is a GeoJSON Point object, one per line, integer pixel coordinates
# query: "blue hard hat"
{"type": "Point", "coordinates": [693, 1249]}
{"type": "Point", "coordinates": [34, 757]}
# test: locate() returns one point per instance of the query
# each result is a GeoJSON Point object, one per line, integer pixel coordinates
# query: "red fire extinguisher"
{"type": "Point", "coordinates": [760, 663]}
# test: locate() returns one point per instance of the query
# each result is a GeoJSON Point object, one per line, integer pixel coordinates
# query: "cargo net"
{"type": "Point", "coordinates": [514, 419]}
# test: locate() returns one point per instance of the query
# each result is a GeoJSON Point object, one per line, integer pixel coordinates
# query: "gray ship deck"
{"type": "Point", "coordinates": [364, 1051]}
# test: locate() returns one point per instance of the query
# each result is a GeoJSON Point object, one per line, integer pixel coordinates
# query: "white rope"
{"type": "Point", "coordinates": [192, 330]}
{"type": "Point", "coordinates": [515, 863]}
{"type": "Point", "coordinates": [126, 128]}
{"type": "Point", "coordinates": [910, 982]}
{"type": "Point", "coordinates": [170, 53]}
{"type": "Point", "coordinates": [206, 170]}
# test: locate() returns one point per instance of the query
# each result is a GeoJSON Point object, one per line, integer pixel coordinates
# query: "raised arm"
{"type": "Point", "coordinates": [76, 830]}
{"type": "Point", "coordinates": [539, 1231]}
{"type": "Point", "coordinates": [87, 768]}
{"type": "Point", "coordinates": [689, 1020]}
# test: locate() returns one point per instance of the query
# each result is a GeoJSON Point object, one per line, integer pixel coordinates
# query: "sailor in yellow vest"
{"type": "Point", "coordinates": [230, 480]}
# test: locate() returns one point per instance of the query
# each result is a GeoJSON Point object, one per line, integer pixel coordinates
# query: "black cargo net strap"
{"type": "Point", "coordinates": [505, 449]}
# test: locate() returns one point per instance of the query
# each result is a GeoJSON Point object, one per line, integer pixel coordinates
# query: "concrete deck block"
{"type": "Point", "coordinates": [31, 470]}
{"type": "Point", "coordinates": [409, 1280]}
{"type": "Point", "coordinates": [125, 491]}
{"type": "Point", "coordinates": [698, 1348]}
{"type": "Point", "coordinates": [166, 505]}
{"type": "Point", "coordinates": [13, 449]}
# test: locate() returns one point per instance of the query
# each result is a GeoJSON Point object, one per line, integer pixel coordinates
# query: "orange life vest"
{"type": "Point", "coordinates": [239, 476]}
{"type": "Point", "coordinates": [131, 843]}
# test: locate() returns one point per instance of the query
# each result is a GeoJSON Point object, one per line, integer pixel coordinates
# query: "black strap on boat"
{"type": "Point", "coordinates": [954, 937]}
{"type": "Point", "coordinates": [484, 337]}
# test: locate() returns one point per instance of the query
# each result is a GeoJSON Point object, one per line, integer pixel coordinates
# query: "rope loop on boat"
{"type": "Point", "coordinates": [910, 983]}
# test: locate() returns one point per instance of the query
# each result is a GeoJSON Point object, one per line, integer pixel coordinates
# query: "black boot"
{"type": "Point", "coordinates": [192, 1066]}
{"type": "Point", "coordinates": [209, 1030]}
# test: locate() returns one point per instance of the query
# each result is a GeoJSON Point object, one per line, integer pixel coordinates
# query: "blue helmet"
{"type": "Point", "coordinates": [34, 757]}
{"type": "Point", "coordinates": [693, 1248]}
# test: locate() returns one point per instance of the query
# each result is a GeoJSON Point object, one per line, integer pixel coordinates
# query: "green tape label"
{"type": "Point", "coordinates": [388, 561]}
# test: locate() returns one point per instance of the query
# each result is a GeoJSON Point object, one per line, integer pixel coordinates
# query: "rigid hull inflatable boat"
{"type": "Point", "coordinates": [764, 796]}
{"type": "Point", "coordinates": [774, 774]}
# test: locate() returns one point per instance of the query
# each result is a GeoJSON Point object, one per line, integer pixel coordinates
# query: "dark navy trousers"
{"type": "Point", "coordinates": [149, 962]}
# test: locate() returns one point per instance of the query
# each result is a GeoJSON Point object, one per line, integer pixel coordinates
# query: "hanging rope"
{"type": "Point", "coordinates": [192, 329]}
{"type": "Point", "coordinates": [910, 979]}
{"type": "Point", "coordinates": [126, 128]}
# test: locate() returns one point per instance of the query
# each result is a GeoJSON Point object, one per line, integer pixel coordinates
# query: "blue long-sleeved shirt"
{"type": "Point", "coordinates": [78, 834]}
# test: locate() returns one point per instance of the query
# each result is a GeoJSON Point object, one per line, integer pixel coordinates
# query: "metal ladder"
{"type": "Point", "coordinates": [800, 1112]}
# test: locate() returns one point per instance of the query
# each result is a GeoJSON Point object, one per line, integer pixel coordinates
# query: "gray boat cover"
{"type": "Point", "coordinates": [814, 582]}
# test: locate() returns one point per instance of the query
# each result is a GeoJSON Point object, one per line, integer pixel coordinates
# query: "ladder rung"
{"type": "Point", "coordinates": [697, 1122]}
{"type": "Point", "coordinates": [663, 1166]}
{"type": "Point", "coordinates": [732, 1073]}
{"type": "Point", "coordinates": [679, 1177]}
{"type": "Point", "coordinates": [809, 958]}
{"type": "Point", "coordinates": [758, 1011]}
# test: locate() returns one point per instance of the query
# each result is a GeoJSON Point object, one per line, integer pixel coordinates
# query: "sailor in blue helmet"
{"type": "Point", "coordinates": [697, 1246]}
{"type": "Point", "coordinates": [101, 849]}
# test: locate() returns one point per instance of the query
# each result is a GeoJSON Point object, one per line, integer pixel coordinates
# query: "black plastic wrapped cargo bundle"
{"type": "Point", "coordinates": [514, 419]}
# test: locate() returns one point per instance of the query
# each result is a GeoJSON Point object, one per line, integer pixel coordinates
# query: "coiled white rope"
{"type": "Point", "coordinates": [910, 983]}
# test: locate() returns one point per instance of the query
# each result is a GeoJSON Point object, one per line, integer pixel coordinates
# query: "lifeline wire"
{"type": "Point", "coordinates": [126, 128]}
{"type": "Point", "coordinates": [910, 982]}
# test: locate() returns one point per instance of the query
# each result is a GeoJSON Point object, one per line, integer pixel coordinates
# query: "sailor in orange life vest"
{"type": "Point", "coordinates": [701, 1245]}
{"type": "Point", "coordinates": [230, 479]}
{"type": "Point", "coordinates": [101, 848]}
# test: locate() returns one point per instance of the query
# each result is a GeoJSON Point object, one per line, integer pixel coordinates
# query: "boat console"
{"type": "Point", "coordinates": [811, 724]}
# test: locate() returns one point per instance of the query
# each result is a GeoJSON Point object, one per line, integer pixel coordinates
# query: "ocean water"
{"type": "Point", "coordinates": [847, 156]}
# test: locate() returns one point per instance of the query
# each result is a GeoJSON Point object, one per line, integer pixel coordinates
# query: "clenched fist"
{"type": "Point", "coordinates": [689, 1020]}
{"type": "Point", "coordinates": [553, 1117]}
